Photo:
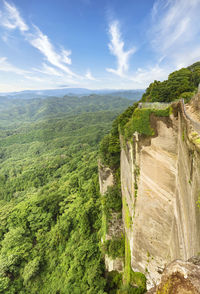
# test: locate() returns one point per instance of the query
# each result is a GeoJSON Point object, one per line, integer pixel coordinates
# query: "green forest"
{"type": "Point", "coordinates": [180, 84]}
{"type": "Point", "coordinates": [50, 208]}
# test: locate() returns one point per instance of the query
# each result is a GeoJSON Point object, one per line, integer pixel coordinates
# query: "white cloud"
{"type": "Point", "coordinates": [116, 47]}
{"type": "Point", "coordinates": [43, 44]}
{"type": "Point", "coordinates": [8, 67]}
{"type": "Point", "coordinates": [89, 76]}
{"type": "Point", "coordinates": [65, 56]}
{"type": "Point", "coordinates": [11, 19]}
{"type": "Point", "coordinates": [176, 29]}
{"type": "Point", "coordinates": [143, 77]}
{"type": "Point", "coordinates": [48, 70]}
{"type": "Point", "coordinates": [59, 61]}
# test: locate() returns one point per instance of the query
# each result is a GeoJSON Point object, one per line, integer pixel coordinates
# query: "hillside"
{"type": "Point", "coordinates": [16, 111]}
{"type": "Point", "coordinates": [50, 209]}
{"type": "Point", "coordinates": [181, 83]}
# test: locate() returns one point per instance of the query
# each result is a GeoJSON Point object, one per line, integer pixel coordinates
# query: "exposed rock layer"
{"type": "Point", "coordinates": [180, 277]}
{"type": "Point", "coordinates": [160, 180]}
{"type": "Point", "coordinates": [114, 224]}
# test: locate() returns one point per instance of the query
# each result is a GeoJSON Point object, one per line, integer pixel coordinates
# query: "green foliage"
{"type": "Point", "coordinates": [110, 145]}
{"type": "Point", "coordinates": [128, 289]}
{"type": "Point", "coordinates": [50, 208]}
{"type": "Point", "coordinates": [110, 151]}
{"type": "Point", "coordinates": [180, 83]}
{"type": "Point", "coordinates": [187, 96]}
{"type": "Point", "coordinates": [114, 282]}
{"type": "Point", "coordinates": [138, 279]}
{"type": "Point", "coordinates": [31, 269]}
{"type": "Point", "coordinates": [127, 217]}
{"type": "Point", "coordinates": [112, 200]}
{"type": "Point", "coordinates": [140, 121]}
{"type": "Point", "coordinates": [198, 202]}
{"type": "Point", "coordinates": [134, 282]}
{"type": "Point", "coordinates": [115, 247]}
{"type": "Point", "coordinates": [16, 111]}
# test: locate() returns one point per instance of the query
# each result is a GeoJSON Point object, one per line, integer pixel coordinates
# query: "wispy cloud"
{"type": "Point", "coordinates": [48, 70]}
{"type": "Point", "coordinates": [89, 76]}
{"type": "Point", "coordinates": [11, 19]}
{"type": "Point", "coordinates": [43, 44]}
{"type": "Point", "coordinates": [65, 56]}
{"type": "Point", "coordinates": [175, 30]}
{"type": "Point", "coordinates": [116, 47]}
{"type": "Point", "coordinates": [144, 76]}
{"type": "Point", "coordinates": [8, 67]}
{"type": "Point", "coordinates": [57, 62]}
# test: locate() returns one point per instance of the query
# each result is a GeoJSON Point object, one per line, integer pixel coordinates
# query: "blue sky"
{"type": "Point", "coordinates": [95, 44]}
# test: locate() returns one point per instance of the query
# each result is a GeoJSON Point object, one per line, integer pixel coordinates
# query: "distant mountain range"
{"type": "Point", "coordinates": [29, 94]}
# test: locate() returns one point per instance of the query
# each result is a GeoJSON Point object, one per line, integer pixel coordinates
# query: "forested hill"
{"type": "Point", "coordinates": [26, 110]}
{"type": "Point", "coordinates": [181, 83]}
{"type": "Point", "coordinates": [50, 210]}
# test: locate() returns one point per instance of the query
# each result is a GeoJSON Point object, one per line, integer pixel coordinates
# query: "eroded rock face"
{"type": "Point", "coordinates": [114, 264]}
{"type": "Point", "coordinates": [180, 277]}
{"type": "Point", "coordinates": [106, 178]}
{"type": "Point", "coordinates": [160, 180]}
{"type": "Point", "coordinates": [115, 224]}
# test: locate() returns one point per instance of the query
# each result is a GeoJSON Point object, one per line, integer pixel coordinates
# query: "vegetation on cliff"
{"type": "Point", "coordinates": [180, 84]}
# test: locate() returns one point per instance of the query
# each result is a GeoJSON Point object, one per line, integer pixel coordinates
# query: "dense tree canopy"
{"type": "Point", "coordinates": [50, 209]}
{"type": "Point", "coordinates": [185, 80]}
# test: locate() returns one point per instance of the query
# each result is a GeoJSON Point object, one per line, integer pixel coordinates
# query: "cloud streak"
{"type": "Point", "coordinates": [8, 67]}
{"type": "Point", "coordinates": [48, 70]}
{"type": "Point", "coordinates": [41, 42]}
{"type": "Point", "coordinates": [89, 76]}
{"type": "Point", "coordinates": [116, 47]}
{"type": "Point", "coordinates": [175, 29]}
{"type": "Point", "coordinates": [11, 18]}
{"type": "Point", "coordinates": [58, 61]}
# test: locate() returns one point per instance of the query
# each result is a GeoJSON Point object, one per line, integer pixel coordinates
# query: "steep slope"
{"type": "Point", "coordinates": [160, 179]}
{"type": "Point", "coordinates": [159, 160]}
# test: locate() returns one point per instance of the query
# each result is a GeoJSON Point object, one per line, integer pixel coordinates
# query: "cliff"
{"type": "Point", "coordinates": [180, 277]}
{"type": "Point", "coordinates": [112, 221]}
{"type": "Point", "coordinates": [160, 185]}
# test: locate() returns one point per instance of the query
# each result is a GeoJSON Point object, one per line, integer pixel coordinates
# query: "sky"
{"type": "Point", "coordinates": [95, 44]}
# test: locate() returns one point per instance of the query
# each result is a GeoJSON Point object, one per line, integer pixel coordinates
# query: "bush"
{"type": "Point", "coordinates": [114, 282]}
{"type": "Point", "coordinates": [112, 200]}
{"type": "Point", "coordinates": [115, 247]}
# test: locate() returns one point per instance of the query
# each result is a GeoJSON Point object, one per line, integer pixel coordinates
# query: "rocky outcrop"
{"type": "Point", "coordinates": [180, 277]}
{"type": "Point", "coordinates": [114, 225]}
{"type": "Point", "coordinates": [160, 179]}
{"type": "Point", "coordinates": [106, 178]}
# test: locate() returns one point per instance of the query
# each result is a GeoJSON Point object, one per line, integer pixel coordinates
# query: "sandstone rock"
{"type": "Point", "coordinates": [180, 277]}
{"type": "Point", "coordinates": [160, 179]}
{"type": "Point", "coordinates": [115, 226]}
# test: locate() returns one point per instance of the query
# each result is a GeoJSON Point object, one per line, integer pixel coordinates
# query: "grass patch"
{"type": "Point", "coordinates": [127, 217]}
{"type": "Point", "coordinates": [134, 282]}
{"type": "Point", "coordinates": [140, 121]}
{"type": "Point", "coordinates": [104, 226]}
{"type": "Point", "coordinates": [115, 247]}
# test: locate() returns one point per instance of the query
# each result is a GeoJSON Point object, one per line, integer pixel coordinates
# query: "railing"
{"type": "Point", "coordinates": [163, 105]}
{"type": "Point", "coordinates": [154, 105]}
{"type": "Point", "coordinates": [195, 124]}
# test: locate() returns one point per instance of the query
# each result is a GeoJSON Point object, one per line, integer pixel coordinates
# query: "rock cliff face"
{"type": "Point", "coordinates": [114, 226]}
{"type": "Point", "coordinates": [160, 180]}
{"type": "Point", "coordinates": [180, 277]}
